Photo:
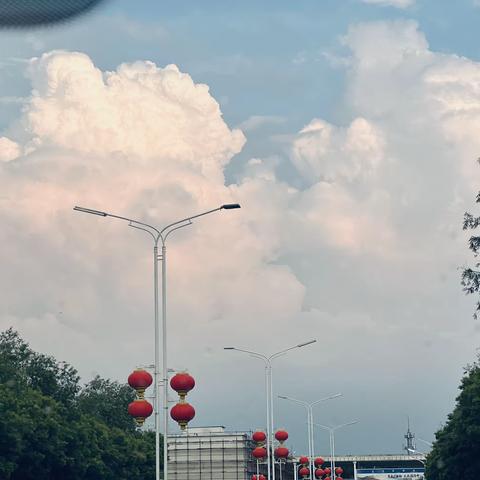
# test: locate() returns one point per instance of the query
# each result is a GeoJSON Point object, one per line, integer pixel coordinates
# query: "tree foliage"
{"type": "Point", "coordinates": [107, 400]}
{"type": "Point", "coordinates": [52, 429]}
{"type": "Point", "coordinates": [456, 451]}
{"type": "Point", "coordinates": [471, 276]}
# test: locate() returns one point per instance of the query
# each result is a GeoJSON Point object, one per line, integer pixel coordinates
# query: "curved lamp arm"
{"type": "Point", "coordinates": [159, 234]}
{"type": "Point", "coordinates": [300, 345]}
{"type": "Point", "coordinates": [254, 354]}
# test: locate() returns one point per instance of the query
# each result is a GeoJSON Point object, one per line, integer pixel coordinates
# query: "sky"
{"type": "Point", "coordinates": [348, 132]}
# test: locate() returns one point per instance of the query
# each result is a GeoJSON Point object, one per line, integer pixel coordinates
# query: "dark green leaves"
{"type": "Point", "coordinates": [456, 452]}
{"type": "Point", "coordinates": [52, 429]}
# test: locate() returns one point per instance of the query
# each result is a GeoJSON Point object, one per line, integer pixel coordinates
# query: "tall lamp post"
{"type": "Point", "coordinates": [269, 397]}
{"type": "Point", "coordinates": [309, 407]}
{"type": "Point", "coordinates": [331, 431]}
{"type": "Point", "coordinates": [159, 235]}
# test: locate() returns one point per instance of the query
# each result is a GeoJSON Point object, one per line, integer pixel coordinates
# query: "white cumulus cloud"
{"type": "Point", "coordinates": [9, 150]}
{"type": "Point", "coordinates": [149, 143]}
{"type": "Point", "coordinates": [322, 151]}
{"type": "Point", "coordinates": [139, 110]}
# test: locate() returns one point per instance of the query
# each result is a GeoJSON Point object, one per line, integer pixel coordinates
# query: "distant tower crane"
{"type": "Point", "coordinates": [410, 446]}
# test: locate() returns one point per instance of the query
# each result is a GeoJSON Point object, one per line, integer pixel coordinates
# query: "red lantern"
{"type": "Point", "coordinates": [319, 473]}
{"type": "Point", "coordinates": [259, 437]}
{"type": "Point", "coordinates": [281, 452]}
{"type": "Point", "coordinates": [182, 413]}
{"type": "Point", "coordinates": [338, 470]}
{"type": "Point", "coordinates": [304, 472]}
{"type": "Point", "coordinates": [327, 478]}
{"type": "Point", "coordinates": [281, 435]}
{"type": "Point", "coordinates": [259, 452]}
{"type": "Point", "coordinates": [140, 410]}
{"type": "Point", "coordinates": [260, 477]}
{"type": "Point", "coordinates": [328, 471]}
{"type": "Point", "coordinates": [319, 462]}
{"type": "Point", "coordinates": [339, 478]}
{"type": "Point", "coordinates": [182, 383]}
{"type": "Point", "coordinates": [140, 380]}
{"type": "Point", "coordinates": [303, 460]}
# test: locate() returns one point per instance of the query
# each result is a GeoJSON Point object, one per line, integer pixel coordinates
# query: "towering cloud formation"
{"type": "Point", "coordinates": [149, 143]}
{"type": "Point", "coordinates": [363, 255]}
{"type": "Point", "coordinates": [140, 111]}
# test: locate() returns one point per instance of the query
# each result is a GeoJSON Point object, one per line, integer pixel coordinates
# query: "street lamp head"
{"type": "Point", "coordinates": [229, 348]}
{"type": "Point", "coordinates": [89, 210]}
{"type": "Point", "coordinates": [306, 343]}
{"type": "Point", "coordinates": [283, 397]}
{"type": "Point", "coordinates": [230, 206]}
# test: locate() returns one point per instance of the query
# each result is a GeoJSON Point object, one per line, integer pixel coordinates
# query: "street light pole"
{"type": "Point", "coordinates": [309, 407]}
{"type": "Point", "coordinates": [331, 431]}
{"type": "Point", "coordinates": [295, 471]}
{"type": "Point", "coordinates": [269, 399]}
{"type": "Point", "coordinates": [159, 236]}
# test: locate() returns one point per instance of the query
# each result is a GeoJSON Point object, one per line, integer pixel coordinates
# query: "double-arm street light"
{"type": "Point", "coordinates": [269, 397]}
{"type": "Point", "coordinates": [159, 236]}
{"type": "Point", "coordinates": [309, 407]}
{"type": "Point", "coordinates": [331, 431]}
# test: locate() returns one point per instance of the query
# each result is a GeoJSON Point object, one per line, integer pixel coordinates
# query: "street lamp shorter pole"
{"type": "Point", "coordinates": [309, 407]}
{"type": "Point", "coordinates": [331, 431]}
{"type": "Point", "coordinates": [295, 471]}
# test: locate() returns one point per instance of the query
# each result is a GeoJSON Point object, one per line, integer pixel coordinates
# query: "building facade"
{"type": "Point", "coordinates": [210, 453]}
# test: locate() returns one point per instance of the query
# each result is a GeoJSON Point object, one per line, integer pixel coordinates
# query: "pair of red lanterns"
{"type": "Point", "coordinates": [281, 451]}
{"type": "Point", "coordinates": [140, 409]}
{"type": "Point", "coordinates": [260, 452]}
{"type": "Point", "coordinates": [304, 471]}
{"type": "Point", "coordinates": [182, 412]}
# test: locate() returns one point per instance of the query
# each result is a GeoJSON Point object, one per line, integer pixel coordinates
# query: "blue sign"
{"type": "Point", "coordinates": [391, 473]}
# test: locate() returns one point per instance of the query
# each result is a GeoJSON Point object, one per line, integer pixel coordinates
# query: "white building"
{"type": "Point", "coordinates": [210, 453]}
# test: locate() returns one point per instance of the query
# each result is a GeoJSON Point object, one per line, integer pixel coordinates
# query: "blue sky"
{"type": "Point", "coordinates": [258, 58]}
{"type": "Point", "coordinates": [355, 165]}
{"type": "Point", "coordinates": [237, 47]}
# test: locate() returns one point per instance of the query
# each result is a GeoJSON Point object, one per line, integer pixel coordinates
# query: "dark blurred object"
{"type": "Point", "coordinates": [25, 13]}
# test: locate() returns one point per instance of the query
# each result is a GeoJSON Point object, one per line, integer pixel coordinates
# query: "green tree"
{"type": "Point", "coordinates": [20, 364]}
{"type": "Point", "coordinates": [471, 276]}
{"type": "Point", "coordinates": [33, 433]}
{"type": "Point", "coordinates": [108, 401]}
{"type": "Point", "coordinates": [456, 451]}
{"type": "Point", "coordinates": [51, 429]}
